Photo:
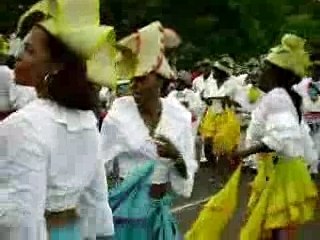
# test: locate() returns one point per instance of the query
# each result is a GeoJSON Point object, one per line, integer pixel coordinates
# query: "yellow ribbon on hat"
{"type": "Point", "coordinates": [291, 55]}
{"type": "Point", "coordinates": [77, 25]}
{"type": "Point", "coordinates": [143, 52]}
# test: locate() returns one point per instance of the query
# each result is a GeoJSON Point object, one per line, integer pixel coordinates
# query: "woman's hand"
{"type": "Point", "coordinates": [165, 148]}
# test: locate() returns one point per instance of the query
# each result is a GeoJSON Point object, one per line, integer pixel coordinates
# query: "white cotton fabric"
{"type": "Point", "coordinates": [6, 82]}
{"type": "Point", "coordinates": [208, 87]}
{"type": "Point", "coordinates": [195, 105]}
{"type": "Point", "coordinates": [275, 122]}
{"type": "Point", "coordinates": [125, 136]}
{"type": "Point", "coordinates": [49, 160]}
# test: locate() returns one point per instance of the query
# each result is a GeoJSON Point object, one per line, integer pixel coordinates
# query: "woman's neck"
{"type": "Point", "coordinates": [151, 108]}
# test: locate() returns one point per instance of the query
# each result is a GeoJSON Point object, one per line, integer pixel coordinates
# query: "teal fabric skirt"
{"type": "Point", "coordinates": [67, 232]}
{"type": "Point", "coordinates": [136, 215]}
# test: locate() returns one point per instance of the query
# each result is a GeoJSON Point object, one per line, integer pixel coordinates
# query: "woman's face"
{"type": "Point", "coordinates": [145, 88]}
{"type": "Point", "coordinates": [34, 62]}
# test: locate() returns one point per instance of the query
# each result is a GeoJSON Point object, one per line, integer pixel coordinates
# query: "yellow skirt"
{"type": "Point", "coordinates": [265, 168]}
{"type": "Point", "coordinates": [224, 130]}
{"type": "Point", "coordinates": [286, 197]}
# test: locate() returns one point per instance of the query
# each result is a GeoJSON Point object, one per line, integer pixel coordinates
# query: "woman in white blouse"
{"type": "Point", "coordinates": [51, 176]}
{"type": "Point", "coordinates": [143, 128]}
{"type": "Point", "coordinates": [283, 194]}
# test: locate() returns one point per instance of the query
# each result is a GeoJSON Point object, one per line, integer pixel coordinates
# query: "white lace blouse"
{"type": "Point", "coordinates": [49, 160]}
{"type": "Point", "coordinates": [125, 136]}
{"type": "Point", "coordinates": [275, 122]}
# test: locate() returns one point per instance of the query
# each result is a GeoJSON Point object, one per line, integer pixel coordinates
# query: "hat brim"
{"type": "Point", "coordinates": [222, 68]}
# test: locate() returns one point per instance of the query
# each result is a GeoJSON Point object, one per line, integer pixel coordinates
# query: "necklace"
{"type": "Point", "coordinates": [152, 124]}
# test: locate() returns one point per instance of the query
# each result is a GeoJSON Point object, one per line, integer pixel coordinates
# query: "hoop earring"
{"type": "Point", "coordinates": [47, 78]}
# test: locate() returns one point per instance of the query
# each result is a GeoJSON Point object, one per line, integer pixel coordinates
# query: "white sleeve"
{"type": "Point", "coordinates": [186, 147]}
{"type": "Point", "coordinates": [283, 134]}
{"type": "Point", "coordinates": [95, 212]}
{"type": "Point", "coordinates": [23, 176]}
{"type": "Point", "coordinates": [111, 140]}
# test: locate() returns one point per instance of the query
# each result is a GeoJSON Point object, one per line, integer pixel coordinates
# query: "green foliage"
{"type": "Point", "coordinates": [242, 28]}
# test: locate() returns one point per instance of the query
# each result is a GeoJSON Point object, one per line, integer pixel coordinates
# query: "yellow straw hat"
{"type": "Point", "coordinates": [77, 25]}
{"type": "Point", "coordinates": [291, 55]}
{"type": "Point", "coordinates": [143, 52]}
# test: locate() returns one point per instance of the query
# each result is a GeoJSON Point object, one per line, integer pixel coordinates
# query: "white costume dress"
{"type": "Point", "coordinates": [49, 160]}
{"type": "Point", "coordinates": [126, 137]}
{"type": "Point", "coordinates": [311, 110]}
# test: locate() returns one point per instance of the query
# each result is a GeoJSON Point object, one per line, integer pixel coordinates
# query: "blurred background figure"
{"type": "Point", "coordinates": [191, 101]}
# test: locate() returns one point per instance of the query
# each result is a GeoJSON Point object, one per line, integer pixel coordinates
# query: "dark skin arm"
{"type": "Point", "coordinates": [258, 148]}
{"type": "Point", "coordinates": [166, 149]}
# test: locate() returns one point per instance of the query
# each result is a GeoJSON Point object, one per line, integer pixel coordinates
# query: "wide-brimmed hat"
{"type": "Point", "coordinates": [204, 63]}
{"type": "Point", "coordinates": [77, 25]}
{"type": "Point", "coordinates": [223, 66]}
{"type": "Point", "coordinates": [143, 52]}
{"type": "Point", "coordinates": [291, 55]}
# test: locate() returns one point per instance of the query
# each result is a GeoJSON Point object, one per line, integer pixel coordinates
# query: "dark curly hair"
{"type": "Point", "coordinates": [70, 87]}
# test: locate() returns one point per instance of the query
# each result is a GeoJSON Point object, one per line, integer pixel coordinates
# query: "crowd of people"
{"type": "Point", "coordinates": [98, 136]}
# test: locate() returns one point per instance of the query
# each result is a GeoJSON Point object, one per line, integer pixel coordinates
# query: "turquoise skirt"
{"type": "Point", "coordinates": [136, 215]}
{"type": "Point", "coordinates": [67, 232]}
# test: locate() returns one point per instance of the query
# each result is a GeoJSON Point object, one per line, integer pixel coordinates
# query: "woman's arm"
{"type": "Point", "coordinates": [258, 148]}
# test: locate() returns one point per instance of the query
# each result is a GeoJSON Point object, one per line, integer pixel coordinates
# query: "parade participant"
{"type": "Point", "coordinates": [205, 85]}
{"type": "Point", "coordinates": [284, 196]}
{"type": "Point", "coordinates": [309, 90]}
{"type": "Point", "coordinates": [51, 173]}
{"type": "Point", "coordinates": [210, 128]}
{"type": "Point", "coordinates": [145, 128]}
{"type": "Point", "coordinates": [186, 96]}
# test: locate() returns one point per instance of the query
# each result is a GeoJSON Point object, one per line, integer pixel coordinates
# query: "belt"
{"type": "Point", "coordinates": [157, 191]}
{"type": "Point", "coordinates": [59, 219]}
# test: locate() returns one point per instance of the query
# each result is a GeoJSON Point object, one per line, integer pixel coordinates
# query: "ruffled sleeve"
{"type": "Point", "coordinates": [185, 144]}
{"type": "Point", "coordinates": [112, 139]}
{"type": "Point", "coordinates": [95, 212]}
{"type": "Point", "coordinates": [282, 131]}
{"type": "Point", "coordinates": [282, 134]}
{"type": "Point", "coordinates": [23, 164]}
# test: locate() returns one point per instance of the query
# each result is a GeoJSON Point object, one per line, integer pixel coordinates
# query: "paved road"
{"type": "Point", "coordinates": [187, 211]}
